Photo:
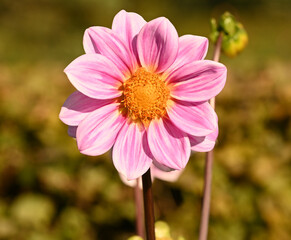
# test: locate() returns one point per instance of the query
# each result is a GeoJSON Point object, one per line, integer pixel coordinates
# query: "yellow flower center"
{"type": "Point", "coordinates": [145, 96]}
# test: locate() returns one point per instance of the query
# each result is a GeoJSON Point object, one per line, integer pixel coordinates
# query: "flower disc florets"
{"type": "Point", "coordinates": [145, 96]}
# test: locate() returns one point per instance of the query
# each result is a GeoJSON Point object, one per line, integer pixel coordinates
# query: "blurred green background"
{"type": "Point", "coordinates": [48, 190]}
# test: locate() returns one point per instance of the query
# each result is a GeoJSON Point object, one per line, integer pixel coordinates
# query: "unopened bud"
{"type": "Point", "coordinates": [228, 46]}
{"type": "Point", "coordinates": [227, 23]}
{"type": "Point", "coordinates": [241, 39]}
{"type": "Point", "coordinates": [234, 36]}
{"type": "Point", "coordinates": [214, 33]}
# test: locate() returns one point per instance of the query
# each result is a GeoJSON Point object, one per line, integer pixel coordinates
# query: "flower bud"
{"type": "Point", "coordinates": [241, 39]}
{"type": "Point", "coordinates": [214, 32]}
{"type": "Point", "coordinates": [234, 38]}
{"type": "Point", "coordinates": [228, 46]}
{"type": "Point", "coordinates": [227, 23]}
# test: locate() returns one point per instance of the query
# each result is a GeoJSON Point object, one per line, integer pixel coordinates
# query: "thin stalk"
{"type": "Point", "coordinates": [148, 206]}
{"type": "Point", "coordinates": [217, 49]}
{"type": "Point", "coordinates": [208, 167]}
{"type": "Point", "coordinates": [139, 224]}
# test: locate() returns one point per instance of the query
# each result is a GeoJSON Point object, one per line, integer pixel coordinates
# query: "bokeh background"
{"type": "Point", "coordinates": [49, 191]}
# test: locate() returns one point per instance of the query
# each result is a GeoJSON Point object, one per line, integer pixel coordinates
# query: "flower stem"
{"type": "Point", "coordinates": [217, 49]}
{"type": "Point", "coordinates": [139, 224]}
{"type": "Point", "coordinates": [148, 205]}
{"type": "Point", "coordinates": [208, 167]}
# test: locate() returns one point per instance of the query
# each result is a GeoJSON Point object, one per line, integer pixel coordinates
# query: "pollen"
{"type": "Point", "coordinates": [145, 96]}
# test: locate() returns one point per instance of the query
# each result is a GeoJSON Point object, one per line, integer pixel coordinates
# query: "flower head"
{"type": "Point", "coordinates": [144, 91]}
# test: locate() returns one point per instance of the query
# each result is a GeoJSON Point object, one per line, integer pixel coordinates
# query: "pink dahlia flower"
{"type": "Point", "coordinates": [144, 91]}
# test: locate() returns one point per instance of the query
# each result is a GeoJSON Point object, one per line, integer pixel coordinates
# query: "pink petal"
{"type": "Point", "coordinates": [130, 183]}
{"type": "Point", "coordinates": [127, 25]}
{"type": "Point", "coordinates": [96, 134]}
{"type": "Point", "coordinates": [197, 119]}
{"type": "Point", "coordinates": [171, 176]}
{"type": "Point", "coordinates": [157, 45]}
{"type": "Point", "coordinates": [131, 154]}
{"type": "Point", "coordinates": [95, 76]}
{"type": "Point", "coordinates": [191, 48]}
{"type": "Point", "coordinates": [162, 167]}
{"type": "Point", "coordinates": [169, 145]}
{"type": "Point", "coordinates": [203, 144]}
{"type": "Point", "coordinates": [78, 106]}
{"type": "Point", "coordinates": [105, 42]}
{"type": "Point", "coordinates": [198, 81]}
{"type": "Point", "coordinates": [72, 131]}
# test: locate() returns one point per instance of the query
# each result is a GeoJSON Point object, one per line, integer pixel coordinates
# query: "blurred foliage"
{"type": "Point", "coordinates": [49, 191]}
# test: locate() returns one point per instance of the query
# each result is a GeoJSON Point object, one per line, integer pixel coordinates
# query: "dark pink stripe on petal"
{"type": "Point", "coordinates": [157, 45]}
{"type": "Point", "coordinates": [78, 106]}
{"type": "Point", "coordinates": [168, 144]}
{"type": "Point", "coordinates": [96, 134]}
{"type": "Point", "coordinates": [107, 43]}
{"type": "Point", "coordinates": [131, 154]}
{"type": "Point", "coordinates": [95, 76]}
{"type": "Point", "coordinates": [198, 81]}
{"type": "Point", "coordinates": [197, 119]}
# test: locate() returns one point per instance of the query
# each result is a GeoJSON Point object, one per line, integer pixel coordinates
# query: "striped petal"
{"type": "Point", "coordinates": [197, 81]}
{"type": "Point", "coordinates": [104, 41]}
{"type": "Point", "coordinates": [96, 134]}
{"type": "Point", "coordinates": [131, 154]}
{"type": "Point", "coordinates": [168, 144]}
{"type": "Point", "coordinates": [95, 76]}
{"type": "Point", "coordinates": [78, 106]}
{"type": "Point", "coordinates": [157, 45]}
{"type": "Point", "coordinates": [191, 48]}
{"type": "Point", "coordinates": [197, 119]}
{"type": "Point", "coordinates": [203, 144]}
{"type": "Point", "coordinates": [127, 25]}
